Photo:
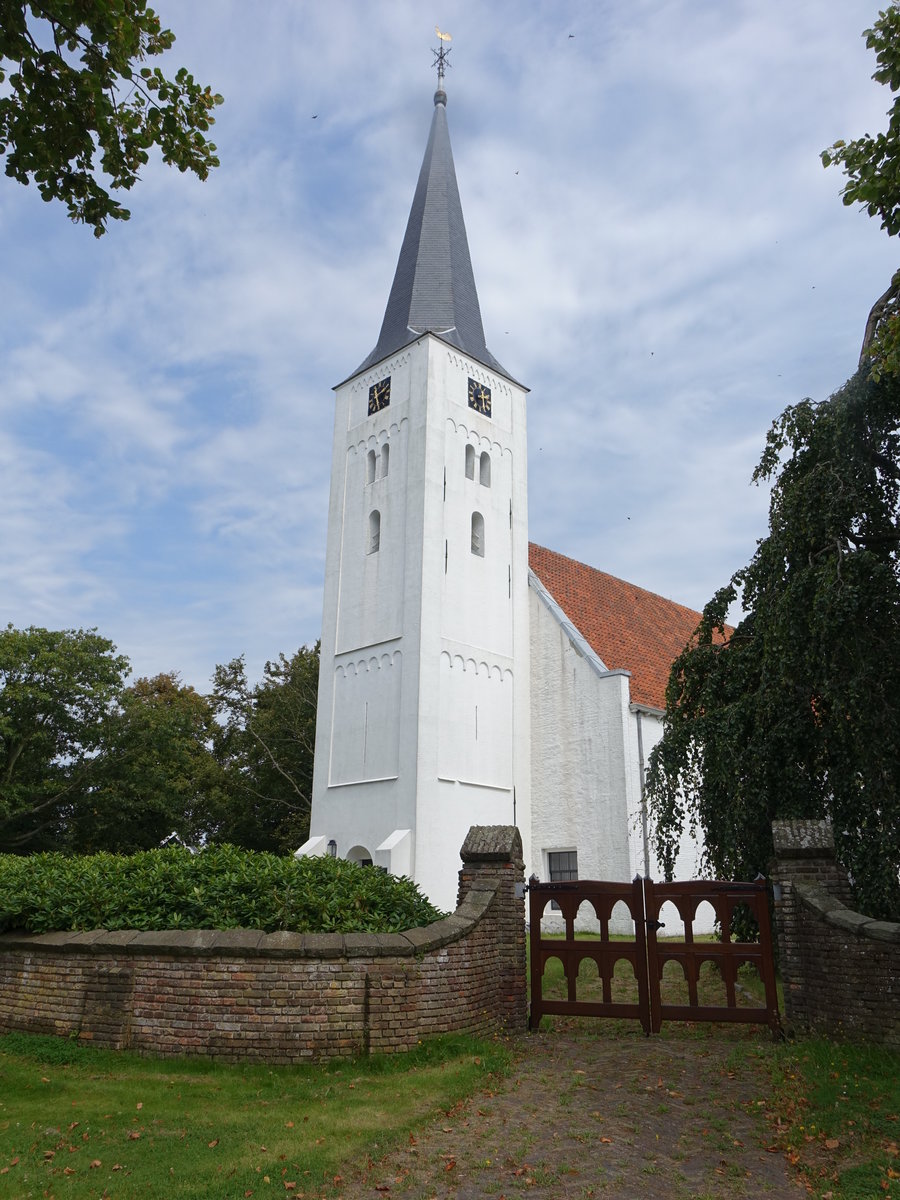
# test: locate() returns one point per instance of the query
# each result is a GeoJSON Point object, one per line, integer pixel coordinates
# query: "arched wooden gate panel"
{"type": "Point", "coordinates": [648, 953]}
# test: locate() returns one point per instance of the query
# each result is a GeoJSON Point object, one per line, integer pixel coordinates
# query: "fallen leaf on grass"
{"type": "Point", "coordinates": [289, 1185]}
{"type": "Point", "coordinates": [289, 1124]}
{"type": "Point", "coordinates": [96, 1163]}
{"type": "Point", "coordinates": [68, 1170]}
{"type": "Point", "coordinates": [48, 1154]}
{"type": "Point", "coordinates": [832, 1143]}
{"type": "Point", "coordinates": [212, 1145]}
{"type": "Point", "coordinates": [140, 1105]}
{"type": "Point", "coordinates": [117, 1167]}
{"type": "Point", "coordinates": [134, 1135]}
{"type": "Point", "coordinates": [606, 1141]}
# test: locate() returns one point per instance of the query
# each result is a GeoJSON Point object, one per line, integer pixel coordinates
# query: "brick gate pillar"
{"type": "Point", "coordinates": [492, 860]}
{"type": "Point", "coordinates": [804, 854]}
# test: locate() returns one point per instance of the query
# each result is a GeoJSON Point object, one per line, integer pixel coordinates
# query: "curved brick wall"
{"type": "Point", "coordinates": [841, 970]}
{"type": "Point", "coordinates": [284, 997]}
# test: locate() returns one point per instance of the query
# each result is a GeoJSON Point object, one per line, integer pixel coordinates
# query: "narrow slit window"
{"type": "Point", "coordinates": [470, 462]}
{"type": "Point", "coordinates": [484, 470]}
{"type": "Point", "coordinates": [370, 467]}
{"type": "Point", "coordinates": [374, 531]}
{"type": "Point", "coordinates": [385, 460]}
{"type": "Point", "coordinates": [478, 534]}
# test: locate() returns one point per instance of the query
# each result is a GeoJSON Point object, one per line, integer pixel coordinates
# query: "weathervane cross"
{"type": "Point", "coordinates": [441, 55]}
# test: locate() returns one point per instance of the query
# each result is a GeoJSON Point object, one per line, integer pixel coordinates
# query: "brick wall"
{"type": "Point", "coordinates": [841, 970]}
{"type": "Point", "coordinates": [285, 997]}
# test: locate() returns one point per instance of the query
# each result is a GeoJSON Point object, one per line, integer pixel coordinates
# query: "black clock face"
{"type": "Point", "coordinates": [379, 395]}
{"type": "Point", "coordinates": [479, 397]}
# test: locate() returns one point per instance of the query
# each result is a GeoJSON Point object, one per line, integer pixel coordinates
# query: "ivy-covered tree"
{"type": "Point", "coordinates": [80, 109]}
{"type": "Point", "coordinates": [872, 166]}
{"type": "Point", "coordinates": [57, 688]}
{"type": "Point", "coordinates": [266, 745]}
{"type": "Point", "coordinates": [796, 712]}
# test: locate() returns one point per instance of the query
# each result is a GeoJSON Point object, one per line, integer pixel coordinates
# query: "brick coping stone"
{"type": "Point", "coordinates": [254, 943]}
{"type": "Point", "coordinates": [832, 911]}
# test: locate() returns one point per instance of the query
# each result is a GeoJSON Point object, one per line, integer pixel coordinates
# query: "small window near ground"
{"type": "Point", "coordinates": [563, 866]}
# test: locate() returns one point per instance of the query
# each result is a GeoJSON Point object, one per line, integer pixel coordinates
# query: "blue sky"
{"type": "Point", "coordinates": [659, 256]}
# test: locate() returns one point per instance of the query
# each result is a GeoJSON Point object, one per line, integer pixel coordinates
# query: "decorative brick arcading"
{"type": "Point", "coordinates": [284, 997]}
{"type": "Point", "coordinates": [841, 970]}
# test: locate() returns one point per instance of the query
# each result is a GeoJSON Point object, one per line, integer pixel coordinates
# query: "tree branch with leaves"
{"type": "Point", "coordinates": [82, 110]}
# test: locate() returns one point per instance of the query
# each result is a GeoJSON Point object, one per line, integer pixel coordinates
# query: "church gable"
{"type": "Point", "coordinates": [627, 627]}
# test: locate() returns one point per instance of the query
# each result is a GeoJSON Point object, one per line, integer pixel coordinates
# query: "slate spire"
{"type": "Point", "coordinates": [434, 287]}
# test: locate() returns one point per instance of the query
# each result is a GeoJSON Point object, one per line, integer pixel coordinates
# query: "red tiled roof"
{"type": "Point", "coordinates": [628, 628]}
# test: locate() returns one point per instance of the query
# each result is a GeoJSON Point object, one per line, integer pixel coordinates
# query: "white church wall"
{"type": "Point", "coordinates": [367, 694]}
{"type": "Point", "coordinates": [476, 595]}
{"type": "Point", "coordinates": [578, 757]}
{"type": "Point", "coordinates": [475, 723]}
{"type": "Point", "coordinates": [688, 860]}
{"type": "Point", "coordinates": [367, 705]}
{"type": "Point", "coordinates": [473, 667]}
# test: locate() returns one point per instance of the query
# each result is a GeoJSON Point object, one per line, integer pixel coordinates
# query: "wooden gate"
{"type": "Point", "coordinates": [648, 954]}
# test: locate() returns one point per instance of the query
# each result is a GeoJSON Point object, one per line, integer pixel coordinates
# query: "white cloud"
{"type": "Point", "coordinates": [659, 256]}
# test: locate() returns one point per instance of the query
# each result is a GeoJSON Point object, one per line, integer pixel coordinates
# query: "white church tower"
{"type": "Point", "coordinates": [423, 710]}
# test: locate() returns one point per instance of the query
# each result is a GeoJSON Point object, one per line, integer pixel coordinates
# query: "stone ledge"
{"type": "Point", "coordinates": [841, 917]}
{"type": "Point", "coordinates": [253, 943]}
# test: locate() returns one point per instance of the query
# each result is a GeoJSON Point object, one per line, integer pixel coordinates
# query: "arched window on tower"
{"type": "Point", "coordinates": [374, 531]}
{"type": "Point", "coordinates": [370, 467]}
{"type": "Point", "coordinates": [470, 462]}
{"type": "Point", "coordinates": [385, 460]}
{"type": "Point", "coordinates": [484, 474]}
{"type": "Point", "coordinates": [478, 534]}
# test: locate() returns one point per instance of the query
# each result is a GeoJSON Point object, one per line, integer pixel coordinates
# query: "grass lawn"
{"type": "Point", "coordinates": [79, 1122]}
{"type": "Point", "coordinates": [834, 1109]}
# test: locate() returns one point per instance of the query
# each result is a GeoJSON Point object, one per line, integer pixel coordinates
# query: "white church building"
{"type": "Point", "coordinates": [466, 676]}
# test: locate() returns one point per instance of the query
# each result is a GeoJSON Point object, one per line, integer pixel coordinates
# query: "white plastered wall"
{"type": "Point", "coordinates": [423, 714]}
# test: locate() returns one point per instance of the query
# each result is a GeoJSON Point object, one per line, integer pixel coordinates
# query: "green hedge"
{"type": "Point", "coordinates": [220, 887]}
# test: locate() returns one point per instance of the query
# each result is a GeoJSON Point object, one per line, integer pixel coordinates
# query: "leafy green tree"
{"type": "Point", "coordinates": [266, 745]}
{"type": "Point", "coordinates": [796, 712]}
{"type": "Point", "coordinates": [872, 166]}
{"type": "Point", "coordinates": [56, 691]}
{"type": "Point", "coordinates": [79, 113]}
{"type": "Point", "coordinates": [155, 773]}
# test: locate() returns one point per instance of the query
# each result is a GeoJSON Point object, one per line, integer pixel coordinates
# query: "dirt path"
{"type": "Point", "coordinates": [613, 1115]}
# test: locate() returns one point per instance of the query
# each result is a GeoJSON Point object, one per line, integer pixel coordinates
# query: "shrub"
{"type": "Point", "coordinates": [221, 887]}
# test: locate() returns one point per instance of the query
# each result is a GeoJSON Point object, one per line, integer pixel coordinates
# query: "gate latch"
{"type": "Point", "coordinates": [654, 925]}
